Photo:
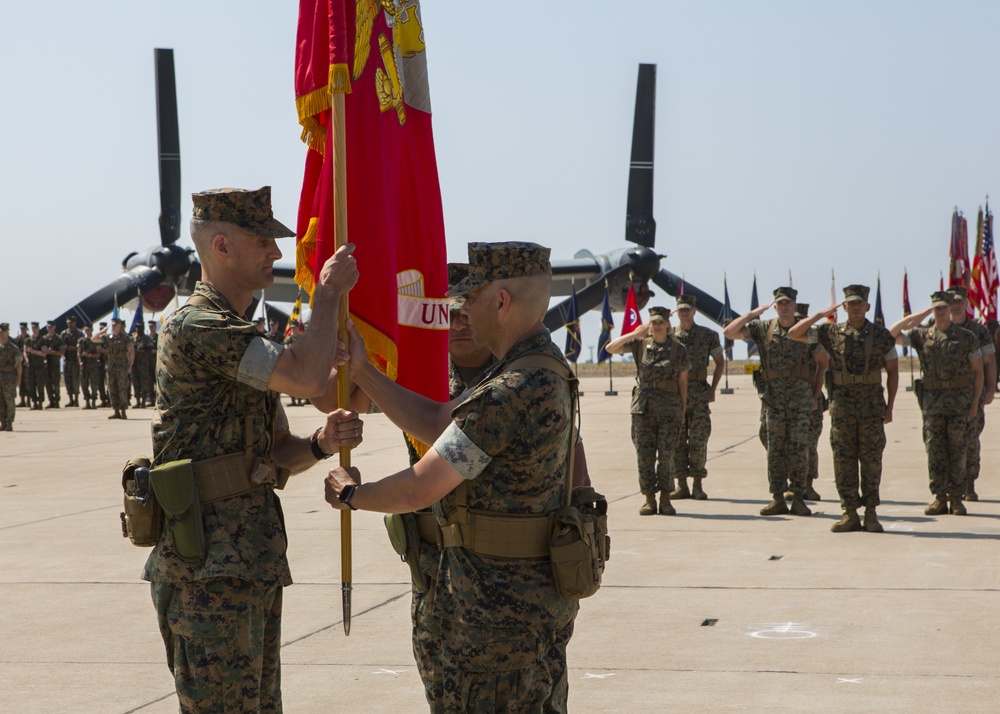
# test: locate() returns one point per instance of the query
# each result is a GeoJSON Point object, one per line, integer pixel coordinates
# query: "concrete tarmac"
{"type": "Point", "coordinates": [714, 609]}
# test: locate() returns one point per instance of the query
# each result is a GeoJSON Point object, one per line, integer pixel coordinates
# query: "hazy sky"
{"type": "Point", "coordinates": [790, 135]}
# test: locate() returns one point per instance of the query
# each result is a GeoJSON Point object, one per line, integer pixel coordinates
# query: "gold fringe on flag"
{"type": "Point", "coordinates": [319, 101]}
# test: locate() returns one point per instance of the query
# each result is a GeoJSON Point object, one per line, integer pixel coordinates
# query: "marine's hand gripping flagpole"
{"type": "Point", "coordinates": [344, 371]}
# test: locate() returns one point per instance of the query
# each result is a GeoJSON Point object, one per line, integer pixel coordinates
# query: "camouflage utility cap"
{"type": "Point", "coordinates": [854, 293]}
{"type": "Point", "coordinates": [4, 327]}
{"type": "Point", "coordinates": [34, 324]}
{"type": "Point", "coordinates": [782, 294]}
{"type": "Point", "coordinates": [249, 210]}
{"type": "Point", "coordinates": [24, 324]}
{"type": "Point", "coordinates": [662, 313]}
{"type": "Point", "coordinates": [116, 321]}
{"type": "Point", "coordinates": [686, 302]}
{"type": "Point", "coordinates": [457, 272]}
{"type": "Point", "coordinates": [802, 310]}
{"type": "Point", "coordinates": [940, 298]}
{"type": "Point", "coordinates": [71, 318]}
{"type": "Point", "coordinates": [500, 261]}
{"type": "Point", "coordinates": [958, 291]}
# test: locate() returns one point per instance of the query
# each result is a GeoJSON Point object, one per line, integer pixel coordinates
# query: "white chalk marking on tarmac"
{"type": "Point", "coordinates": [899, 527]}
{"type": "Point", "coordinates": [781, 631]}
{"type": "Point", "coordinates": [393, 672]}
{"type": "Point", "coordinates": [588, 675]}
{"type": "Point", "coordinates": [848, 681]}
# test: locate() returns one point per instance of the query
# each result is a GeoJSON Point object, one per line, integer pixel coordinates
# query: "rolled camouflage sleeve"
{"type": "Point", "coordinates": [258, 362]}
{"type": "Point", "coordinates": [461, 453]}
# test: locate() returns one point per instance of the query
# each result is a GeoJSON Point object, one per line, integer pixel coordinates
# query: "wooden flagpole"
{"type": "Point", "coordinates": [343, 373]}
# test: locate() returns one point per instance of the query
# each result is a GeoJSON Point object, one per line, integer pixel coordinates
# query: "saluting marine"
{"type": "Point", "coordinates": [792, 382]}
{"type": "Point", "coordinates": [950, 385]}
{"type": "Point", "coordinates": [659, 400]}
{"type": "Point", "coordinates": [859, 350]}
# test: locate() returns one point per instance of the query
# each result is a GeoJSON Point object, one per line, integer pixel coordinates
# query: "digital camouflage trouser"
{"type": "Point", "coordinates": [53, 379]}
{"type": "Point", "coordinates": [118, 385]}
{"type": "Point", "coordinates": [787, 449]}
{"type": "Point", "coordinates": [488, 670]}
{"type": "Point", "coordinates": [71, 372]}
{"type": "Point", "coordinates": [655, 439]}
{"type": "Point", "coordinates": [692, 442]}
{"type": "Point", "coordinates": [976, 426]}
{"type": "Point", "coordinates": [857, 441]}
{"type": "Point", "coordinates": [815, 430]}
{"type": "Point", "coordinates": [89, 376]}
{"type": "Point", "coordinates": [946, 442]}
{"type": "Point", "coordinates": [36, 381]}
{"type": "Point", "coordinates": [223, 642]}
{"type": "Point", "coordinates": [8, 392]}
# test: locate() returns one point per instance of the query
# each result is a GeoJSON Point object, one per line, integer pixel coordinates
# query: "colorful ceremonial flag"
{"type": "Point", "coordinates": [295, 317]}
{"type": "Point", "coordinates": [137, 318]}
{"type": "Point", "coordinates": [941, 281]}
{"type": "Point", "coordinates": [974, 299]}
{"type": "Point", "coordinates": [958, 252]}
{"type": "Point", "coordinates": [573, 336]}
{"type": "Point", "coordinates": [727, 317]}
{"type": "Point", "coordinates": [631, 319]}
{"type": "Point", "coordinates": [754, 304]}
{"type": "Point", "coordinates": [990, 281]}
{"type": "Point", "coordinates": [879, 317]}
{"type": "Point", "coordinates": [906, 303]}
{"type": "Point", "coordinates": [607, 325]}
{"type": "Point", "coordinates": [374, 54]}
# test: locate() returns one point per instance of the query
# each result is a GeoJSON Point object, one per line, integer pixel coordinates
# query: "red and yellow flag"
{"type": "Point", "coordinates": [377, 57]}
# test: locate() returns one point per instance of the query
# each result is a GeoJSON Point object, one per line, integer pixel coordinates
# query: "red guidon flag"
{"type": "Point", "coordinates": [631, 319]}
{"type": "Point", "coordinates": [378, 59]}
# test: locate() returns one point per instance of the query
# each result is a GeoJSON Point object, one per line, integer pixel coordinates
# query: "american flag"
{"type": "Point", "coordinates": [974, 301]}
{"type": "Point", "coordinates": [989, 275]}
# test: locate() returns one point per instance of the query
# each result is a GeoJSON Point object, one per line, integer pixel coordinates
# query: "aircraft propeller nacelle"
{"type": "Point", "coordinates": [172, 261]}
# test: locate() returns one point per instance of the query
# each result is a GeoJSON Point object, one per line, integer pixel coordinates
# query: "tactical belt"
{"type": "Point", "coordinates": [963, 382]}
{"type": "Point", "coordinates": [232, 475]}
{"type": "Point", "coordinates": [503, 535]}
{"type": "Point", "coordinates": [667, 384]}
{"type": "Point", "coordinates": [798, 372]}
{"type": "Point", "coordinates": [698, 375]}
{"type": "Point", "coordinates": [844, 379]}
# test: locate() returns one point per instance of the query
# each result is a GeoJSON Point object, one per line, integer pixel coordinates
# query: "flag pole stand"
{"type": "Point", "coordinates": [727, 389]}
{"type": "Point", "coordinates": [611, 382]}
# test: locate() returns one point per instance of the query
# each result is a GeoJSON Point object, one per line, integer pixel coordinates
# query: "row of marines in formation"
{"type": "Point", "coordinates": [107, 368]}
{"type": "Point", "coordinates": [671, 417]}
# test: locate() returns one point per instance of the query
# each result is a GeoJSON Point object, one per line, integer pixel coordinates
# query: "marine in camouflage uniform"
{"type": "Point", "coordinates": [951, 371]}
{"type": "Point", "coordinates": [120, 354]}
{"type": "Point", "coordinates": [154, 339]}
{"type": "Point", "coordinates": [985, 337]}
{"type": "Point", "coordinates": [815, 422]}
{"type": "Point", "coordinates": [21, 340]}
{"type": "Point", "coordinates": [54, 348]}
{"type": "Point", "coordinates": [220, 617]}
{"type": "Point", "coordinates": [71, 363]}
{"type": "Point", "coordinates": [88, 352]}
{"type": "Point", "coordinates": [11, 363]}
{"type": "Point", "coordinates": [102, 365]}
{"type": "Point", "coordinates": [658, 402]}
{"type": "Point", "coordinates": [791, 389]}
{"type": "Point", "coordinates": [466, 364]}
{"type": "Point", "coordinates": [703, 347]}
{"type": "Point", "coordinates": [143, 366]}
{"type": "Point", "coordinates": [37, 371]}
{"type": "Point", "coordinates": [858, 349]}
{"type": "Point", "coordinates": [504, 630]}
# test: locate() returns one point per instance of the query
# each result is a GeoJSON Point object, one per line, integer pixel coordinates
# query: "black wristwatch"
{"type": "Point", "coordinates": [346, 494]}
{"type": "Point", "coordinates": [314, 445]}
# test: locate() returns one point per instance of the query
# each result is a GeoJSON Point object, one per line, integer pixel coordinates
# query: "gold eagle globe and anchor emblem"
{"type": "Point", "coordinates": [395, 84]}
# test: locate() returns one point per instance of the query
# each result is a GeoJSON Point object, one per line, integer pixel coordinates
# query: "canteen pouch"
{"type": "Point", "coordinates": [142, 519]}
{"type": "Point", "coordinates": [918, 390]}
{"type": "Point", "coordinates": [177, 491]}
{"type": "Point", "coordinates": [580, 544]}
{"type": "Point", "coordinates": [402, 529]}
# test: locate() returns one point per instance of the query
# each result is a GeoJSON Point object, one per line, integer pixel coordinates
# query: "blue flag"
{"type": "Point", "coordinates": [114, 313]}
{"type": "Point", "coordinates": [879, 317]}
{"type": "Point", "coordinates": [572, 350]}
{"type": "Point", "coordinates": [727, 317]}
{"type": "Point", "coordinates": [754, 304]}
{"type": "Point", "coordinates": [137, 318]}
{"type": "Point", "coordinates": [607, 325]}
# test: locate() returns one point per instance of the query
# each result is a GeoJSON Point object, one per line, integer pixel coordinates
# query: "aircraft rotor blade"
{"type": "Point", "coordinates": [102, 302]}
{"type": "Point", "coordinates": [707, 305]}
{"type": "Point", "coordinates": [588, 298]}
{"type": "Point", "coordinates": [168, 136]}
{"type": "Point", "coordinates": [640, 227]}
